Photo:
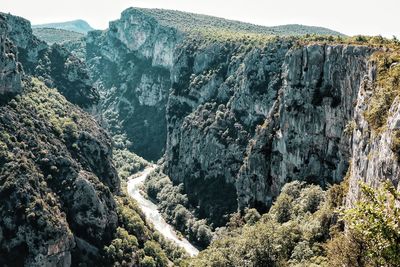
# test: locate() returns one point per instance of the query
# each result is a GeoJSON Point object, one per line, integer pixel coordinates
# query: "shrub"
{"type": "Point", "coordinates": [376, 220]}
{"type": "Point", "coordinates": [386, 88]}
{"type": "Point", "coordinates": [174, 205]}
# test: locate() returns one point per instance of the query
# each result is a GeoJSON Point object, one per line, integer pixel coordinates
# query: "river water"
{"type": "Point", "coordinates": [152, 214]}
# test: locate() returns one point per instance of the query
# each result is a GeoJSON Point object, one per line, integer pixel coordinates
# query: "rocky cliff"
{"type": "Point", "coordinates": [235, 113]}
{"type": "Point", "coordinates": [60, 194]}
{"type": "Point", "coordinates": [54, 65]}
{"type": "Point", "coordinates": [57, 180]}
{"type": "Point", "coordinates": [130, 63]}
{"type": "Point", "coordinates": [375, 128]}
{"type": "Point", "coordinates": [11, 70]}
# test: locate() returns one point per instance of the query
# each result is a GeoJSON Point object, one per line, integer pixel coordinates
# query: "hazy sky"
{"type": "Point", "coordinates": [370, 17]}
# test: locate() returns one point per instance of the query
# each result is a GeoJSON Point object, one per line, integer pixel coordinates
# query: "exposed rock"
{"type": "Point", "coordinates": [52, 185]}
{"type": "Point", "coordinates": [130, 62]}
{"type": "Point", "coordinates": [373, 159]}
{"type": "Point", "coordinates": [10, 69]}
{"type": "Point", "coordinates": [243, 116]}
{"type": "Point", "coordinates": [52, 64]}
{"type": "Point", "coordinates": [307, 140]}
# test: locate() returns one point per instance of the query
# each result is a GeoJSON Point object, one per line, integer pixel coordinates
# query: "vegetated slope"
{"type": "Point", "coordinates": [189, 22]}
{"type": "Point", "coordinates": [61, 199]}
{"type": "Point", "coordinates": [54, 192]}
{"type": "Point", "coordinates": [245, 113]}
{"type": "Point", "coordinates": [51, 35]}
{"type": "Point", "coordinates": [79, 26]}
{"type": "Point", "coordinates": [54, 65]}
{"type": "Point", "coordinates": [135, 59]}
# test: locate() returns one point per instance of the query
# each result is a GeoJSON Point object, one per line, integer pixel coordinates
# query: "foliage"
{"type": "Point", "coordinates": [189, 22]}
{"type": "Point", "coordinates": [292, 233]}
{"type": "Point", "coordinates": [386, 88]}
{"type": "Point", "coordinates": [136, 242]}
{"type": "Point", "coordinates": [127, 163]}
{"type": "Point", "coordinates": [376, 218]}
{"type": "Point", "coordinates": [174, 205]}
{"type": "Point", "coordinates": [51, 35]}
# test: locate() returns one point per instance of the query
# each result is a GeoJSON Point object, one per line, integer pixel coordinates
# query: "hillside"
{"type": "Point", "coordinates": [51, 35]}
{"type": "Point", "coordinates": [79, 26]}
{"type": "Point", "coordinates": [275, 146]}
{"type": "Point", "coordinates": [189, 22]}
{"type": "Point", "coordinates": [61, 198]}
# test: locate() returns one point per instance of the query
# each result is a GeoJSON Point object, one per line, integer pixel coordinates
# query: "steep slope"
{"type": "Point", "coordinates": [52, 64]}
{"type": "Point", "coordinates": [61, 199]}
{"type": "Point", "coordinates": [51, 36]}
{"type": "Point", "coordinates": [79, 26]}
{"type": "Point", "coordinates": [132, 61]}
{"type": "Point", "coordinates": [10, 76]}
{"type": "Point", "coordinates": [54, 192]}
{"type": "Point", "coordinates": [236, 112]}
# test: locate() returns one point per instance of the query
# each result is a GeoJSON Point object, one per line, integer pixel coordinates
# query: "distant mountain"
{"type": "Point", "coordinates": [79, 26]}
{"type": "Point", "coordinates": [51, 35]}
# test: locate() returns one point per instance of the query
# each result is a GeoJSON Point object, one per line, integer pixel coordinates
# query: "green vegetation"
{"type": "Point", "coordinates": [189, 22]}
{"type": "Point", "coordinates": [51, 35]}
{"type": "Point", "coordinates": [127, 163]}
{"type": "Point", "coordinates": [293, 233]}
{"type": "Point", "coordinates": [386, 88]}
{"type": "Point", "coordinates": [376, 221]}
{"type": "Point", "coordinates": [174, 205]}
{"type": "Point", "coordinates": [137, 243]}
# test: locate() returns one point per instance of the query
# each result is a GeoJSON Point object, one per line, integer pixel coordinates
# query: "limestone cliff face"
{"type": "Point", "coordinates": [54, 65]}
{"type": "Point", "coordinates": [130, 63]}
{"type": "Point", "coordinates": [306, 137]}
{"type": "Point", "coordinates": [374, 157]}
{"type": "Point", "coordinates": [11, 70]}
{"type": "Point", "coordinates": [236, 119]}
{"type": "Point", "coordinates": [277, 114]}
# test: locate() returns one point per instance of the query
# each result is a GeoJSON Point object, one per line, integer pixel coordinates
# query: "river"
{"type": "Point", "coordinates": [152, 214]}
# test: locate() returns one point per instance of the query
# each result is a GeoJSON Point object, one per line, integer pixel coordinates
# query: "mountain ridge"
{"type": "Point", "coordinates": [79, 25]}
{"type": "Point", "coordinates": [187, 21]}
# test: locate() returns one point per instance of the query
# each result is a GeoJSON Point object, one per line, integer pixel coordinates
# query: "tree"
{"type": "Point", "coordinates": [376, 219]}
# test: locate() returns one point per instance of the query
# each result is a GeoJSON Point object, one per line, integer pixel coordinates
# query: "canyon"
{"type": "Point", "coordinates": [233, 114]}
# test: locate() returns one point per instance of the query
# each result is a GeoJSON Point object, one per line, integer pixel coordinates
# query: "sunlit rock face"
{"type": "Point", "coordinates": [130, 62]}
{"type": "Point", "coordinates": [233, 120]}
{"type": "Point", "coordinates": [275, 115]}
{"type": "Point", "coordinates": [10, 70]}
{"type": "Point", "coordinates": [54, 65]}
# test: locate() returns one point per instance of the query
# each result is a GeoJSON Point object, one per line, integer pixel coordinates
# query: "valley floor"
{"type": "Point", "coordinates": [153, 215]}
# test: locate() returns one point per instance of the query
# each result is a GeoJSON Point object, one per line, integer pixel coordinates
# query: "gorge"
{"type": "Point", "coordinates": [253, 128]}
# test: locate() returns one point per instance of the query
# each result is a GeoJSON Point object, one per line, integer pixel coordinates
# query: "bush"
{"type": "Point", "coordinates": [376, 220]}
{"type": "Point", "coordinates": [174, 205]}
{"type": "Point", "coordinates": [292, 233]}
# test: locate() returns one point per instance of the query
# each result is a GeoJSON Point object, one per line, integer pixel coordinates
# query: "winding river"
{"type": "Point", "coordinates": [152, 214]}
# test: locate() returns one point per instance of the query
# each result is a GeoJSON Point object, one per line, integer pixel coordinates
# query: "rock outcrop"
{"type": "Point", "coordinates": [130, 63]}
{"type": "Point", "coordinates": [52, 189]}
{"type": "Point", "coordinates": [375, 152]}
{"type": "Point", "coordinates": [277, 114]}
{"type": "Point", "coordinates": [10, 69]}
{"type": "Point", "coordinates": [305, 137]}
{"type": "Point", "coordinates": [54, 65]}
{"type": "Point", "coordinates": [57, 179]}
{"type": "Point", "coordinates": [235, 116]}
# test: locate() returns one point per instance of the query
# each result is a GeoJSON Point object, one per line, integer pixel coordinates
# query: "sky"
{"type": "Point", "coordinates": [351, 17]}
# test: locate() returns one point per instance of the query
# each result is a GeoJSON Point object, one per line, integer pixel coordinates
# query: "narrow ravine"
{"type": "Point", "coordinates": [153, 215]}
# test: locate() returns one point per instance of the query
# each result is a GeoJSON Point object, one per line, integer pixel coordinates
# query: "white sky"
{"type": "Point", "coordinates": [369, 17]}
